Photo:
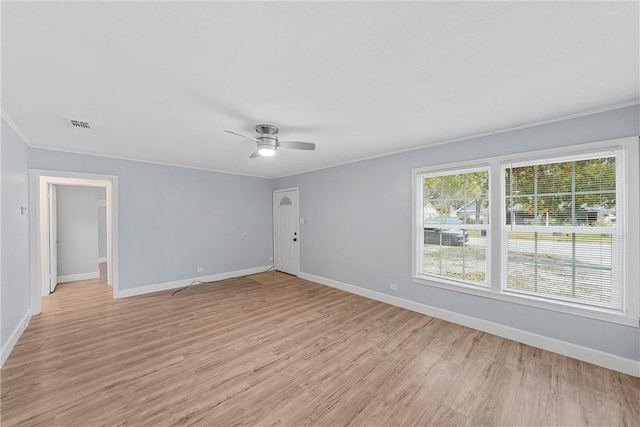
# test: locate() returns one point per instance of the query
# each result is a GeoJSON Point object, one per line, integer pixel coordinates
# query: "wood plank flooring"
{"type": "Point", "coordinates": [273, 349]}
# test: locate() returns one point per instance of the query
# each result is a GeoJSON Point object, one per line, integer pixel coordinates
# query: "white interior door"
{"type": "Point", "coordinates": [285, 231]}
{"type": "Point", "coordinates": [53, 239]}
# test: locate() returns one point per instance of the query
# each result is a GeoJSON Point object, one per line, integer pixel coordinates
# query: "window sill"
{"type": "Point", "coordinates": [562, 307]}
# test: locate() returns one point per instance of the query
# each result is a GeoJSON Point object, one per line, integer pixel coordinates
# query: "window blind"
{"type": "Point", "coordinates": [563, 232]}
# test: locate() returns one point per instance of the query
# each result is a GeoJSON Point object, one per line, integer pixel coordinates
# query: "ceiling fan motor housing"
{"type": "Point", "coordinates": [267, 141]}
{"type": "Point", "coordinates": [266, 130]}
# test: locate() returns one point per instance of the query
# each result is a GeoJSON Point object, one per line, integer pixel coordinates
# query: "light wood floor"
{"type": "Point", "coordinates": [272, 349]}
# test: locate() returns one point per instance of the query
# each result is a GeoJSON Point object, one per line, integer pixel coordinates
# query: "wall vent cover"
{"type": "Point", "coordinates": [80, 125]}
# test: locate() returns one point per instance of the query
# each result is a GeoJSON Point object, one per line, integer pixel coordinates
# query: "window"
{"type": "Point", "coordinates": [285, 201]}
{"type": "Point", "coordinates": [568, 235]}
{"type": "Point", "coordinates": [561, 236]}
{"type": "Point", "coordinates": [455, 220]}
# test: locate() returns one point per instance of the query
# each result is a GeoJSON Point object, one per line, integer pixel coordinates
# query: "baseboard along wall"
{"type": "Point", "coordinates": [141, 290]}
{"type": "Point", "coordinates": [15, 336]}
{"type": "Point", "coordinates": [80, 276]}
{"type": "Point", "coordinates": [586, 354]}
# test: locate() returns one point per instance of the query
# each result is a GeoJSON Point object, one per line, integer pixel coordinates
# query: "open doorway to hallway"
{"type": "Point", "coordinates": [47, 244]}
{"type": "Point", "coordinates": [78, 234]}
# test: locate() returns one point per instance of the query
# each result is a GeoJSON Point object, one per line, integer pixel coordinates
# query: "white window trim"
{"type": "Point", "coordinates": [617, 233]}
{"type": "Point", "coordinates": [495, 253]}
{"type": "Point", "coordinates": [486, 227]}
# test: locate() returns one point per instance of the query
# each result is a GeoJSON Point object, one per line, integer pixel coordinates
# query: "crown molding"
{"type": "Point", "coordinates": [15, 127]}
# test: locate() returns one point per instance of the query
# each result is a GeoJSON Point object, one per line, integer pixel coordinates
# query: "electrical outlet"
{"type": "Point", "coordinates": [393, 287]}
{"type": "Point", "coordinates": [200, 269]}
{"type": "Point", "coordinates": [270, 258]}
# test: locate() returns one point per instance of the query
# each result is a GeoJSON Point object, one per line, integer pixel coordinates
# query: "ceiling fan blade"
{"type": "Point", "coordinates": [254, 155]}
{"type": "Point", "coordinates": [239, 134]}
{"type": "Point", "coordinates": [297, 145]}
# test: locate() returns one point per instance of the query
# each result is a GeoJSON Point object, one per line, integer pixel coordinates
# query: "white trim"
{"type": "Point", "coordinates": [530, 300]}
{"type": "Point", "coordinates": [152, 162]}
{"type": "Point", "coordinates": [39, 253]}
{"type": "Point", "coordinates": [417, 221]}
{"type": "Point", "coordinates": [631, 268]}
{"type": "Point", "coordinates": [102, 260]}
{"type": "Point", "coordinates": [577, 149]}
{"type": "Point", "coordinates": [13, 339]}
{"type": "Point", "coordinates": [15, 128]}
{"type": "Point", "coordinates": [141, 290]}
{"type": "Point", "coordinates": [473, 136]}
{"type": "Point", "coordinates": [79, 276]}
{"type": "Point", "coordinates": [586, 354]}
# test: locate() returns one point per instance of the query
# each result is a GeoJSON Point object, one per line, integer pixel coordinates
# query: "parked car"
{"type": "Point", "coordinates": [448, 236]}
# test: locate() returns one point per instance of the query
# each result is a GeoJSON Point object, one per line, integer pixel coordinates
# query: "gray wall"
{"type": "Point", "coordinates": [173, 220]}
{"type": "Point", "coordinates": [102, 223]}
{"type": "Point", "coordinates": [14, 288]}
{"type": "Point", "coordinates": [77, 218]}
{"type": "Point", "coordinates": [358, 228]}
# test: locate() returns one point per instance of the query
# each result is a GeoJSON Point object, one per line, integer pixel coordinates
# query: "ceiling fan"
{"type": "Point", "coordinates": [267, 139]}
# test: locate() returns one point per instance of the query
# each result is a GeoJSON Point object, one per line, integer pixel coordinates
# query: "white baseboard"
{"type": "Point", "coordinates": [586, 354]}
{"type": "Point", "coordinates": [13, 339]}
{"type": "Point", "coordinates": [141, 290]}
{"type": "Point", "coordinates": [80, 276]}
{"type": "Point", "coordinates": [101, 260]}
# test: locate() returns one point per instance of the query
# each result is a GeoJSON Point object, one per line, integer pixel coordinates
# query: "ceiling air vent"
{"type": "Point", "coordinates": [80, 125]}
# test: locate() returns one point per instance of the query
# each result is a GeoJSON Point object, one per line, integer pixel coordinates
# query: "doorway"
{"type": "Point", "coordinates": [77, 232]}
{"type": "Point", "coordinates": [286, 232]}
{"type": "Point", "coordinates": [42, 244]}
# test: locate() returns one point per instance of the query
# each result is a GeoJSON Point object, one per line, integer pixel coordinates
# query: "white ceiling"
{"type": "Point", "coordinates": [160, 81]}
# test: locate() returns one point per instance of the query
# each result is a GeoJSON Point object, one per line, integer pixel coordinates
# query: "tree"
{"type": "Point", "coordinates": [562, 191]}
{"type": "Point", "coordinates": [457, 191]}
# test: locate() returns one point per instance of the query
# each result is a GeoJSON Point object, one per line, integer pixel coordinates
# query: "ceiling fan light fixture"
{"type": "Point", "coordinates": [267, 145]}
{"type": "Point", "coordinates": [267, 139]}
{"type": "Point", "coordinates": [266, 151]}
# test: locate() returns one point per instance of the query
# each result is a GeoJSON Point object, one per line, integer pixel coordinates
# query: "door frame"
{"type": "Point", "coordinates": [273, 201]}
{"type": "Point", "coordinates": [52, 190]}
{"type": "Point", "coordinates": [39, 251]}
